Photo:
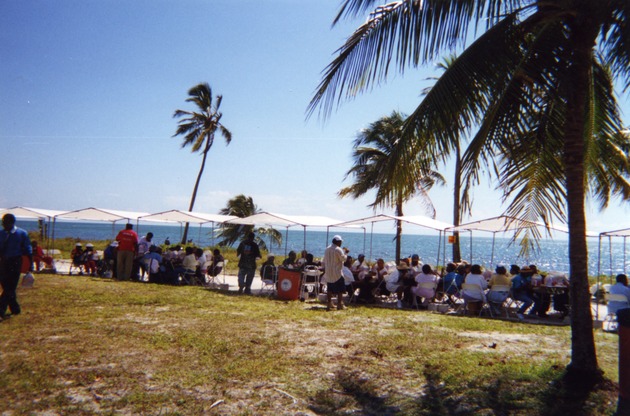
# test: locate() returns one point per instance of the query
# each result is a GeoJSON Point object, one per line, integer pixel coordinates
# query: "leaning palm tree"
{"type": "Point", "coordinates": [533, 69]}
{"type": "Point", "coordinates": [397, 173]}
{"type": "Point", "coordinates": [198, 128]}
{"type": "Point", "coordinates": [243, 206]}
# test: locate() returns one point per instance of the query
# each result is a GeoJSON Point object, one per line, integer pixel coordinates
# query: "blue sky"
{"type": "Point", "coordinates": [89, 89]}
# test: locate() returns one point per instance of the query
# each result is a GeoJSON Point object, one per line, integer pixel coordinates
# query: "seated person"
{"type": "Point", "coordinates": [560, 298]}
{"type": "Point", "coordinates": [268, 270]}
{"type": "Point", "coordinates": [217, 263]}
{"type": "Point", "coordinates": [39, 257]}
{"type": "Point", "coordinates": [521, 289]}
{"type": "Point", "coordinates": [190, 261]}
{"type": "Point", "coordinates": [619, 288]}
{"type": "Point", "coordinates": [111, 257]}
{"type": "Point", "coordinates": [310, 261]}
{"type": "Point", "coordinates": [153, 263]}
{"type": "Point", "coordinates": [348, 277]}
{"type": "Point", "coordinates": [78, 260]}
{"type": "Point", "coordinates": [200, 255]}
{"type": "Point", "coordinates": [475, 277]}
{"type": "Point", "coordinates": [453, 279]}
{"type": "Point", "coordinates": [360, 267]}
{"type": "Point", "coordinates": [301, 262]}
{"type": "Point", "coordinates": [427, 275]}
{"type": "Point", "coordinates": [398, 282]}
{"type": "Point", "coordinates": [500, 277]}
{"type": "Point", "coordinates": [290, 261]}
{"type": "Point", "coordinates": [90, 258]}
{"type": "Point", "coordinates": [416, 265]}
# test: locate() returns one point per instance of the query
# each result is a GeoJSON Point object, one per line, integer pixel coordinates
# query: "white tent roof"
{"type": "Point", "coordinates": [25, 212]}
{"type": "Point", "coordinates": [186, 216]}
{"type": "Point", "coordinates": [101, 214]}
{"type": "Point", "coordinates": [268, 218]}
{"type": "Point", "coordinates": [616, 233]}
{"type": "Point", "coordinates": [412, 219]}
{"type": "Point", "coordinates": [502, 223]}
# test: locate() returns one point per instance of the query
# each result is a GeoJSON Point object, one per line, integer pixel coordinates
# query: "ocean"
{"type": "Point", "coordinates": [552, 255]}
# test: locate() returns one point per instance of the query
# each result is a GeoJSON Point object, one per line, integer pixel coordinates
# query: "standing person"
{"type": "Point", "coordinates": [14, 243]}
{"type": "Point", "coordinates": [127, 248]}
{"type": "Point", "coordinates": [334, 257]}
{"type": "Point", "coordinates": [248, 252]}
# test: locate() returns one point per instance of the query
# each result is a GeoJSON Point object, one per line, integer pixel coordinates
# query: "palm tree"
{"type": "Point", "coordinates": [198, 128]}
{"type": "Point", "coordinates": [243, 206]}
{"type": "Point", "coordinates": [396, 172]}
{"type": "Point", "coordinates": [531, 74]}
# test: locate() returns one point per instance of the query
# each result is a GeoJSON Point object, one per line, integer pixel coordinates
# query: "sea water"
{"type": "Point", "coordinates": [551, 255]}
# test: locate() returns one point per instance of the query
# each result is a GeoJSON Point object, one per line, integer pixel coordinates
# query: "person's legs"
{"type": "Point", "coordinates": [120, 262]}
{"type": "Point", "coordinates": [9, 278]}
{"type": "Point", "coordinates": [249, 279]}
{"type": "Point", "coordinates": [128, 264]}
{"type": "Point", "coordinates": [241, 279]}
{"type": "Point", "coordinates": [527, 301]}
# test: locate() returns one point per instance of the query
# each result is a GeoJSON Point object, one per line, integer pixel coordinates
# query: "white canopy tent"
{"type": "Point", "coordinates": [46, 215]}
{"type": "Point", "coordinates": [182, 217]}
{"type": "Point", "coordinates": [502, 224]}
{"type": "Point", "coordinates": [624, 233]}
{"type": "Point", "coordinates": [99, 214]}
{"type": "Point", "coordinates": [284, 220]}
{"type": "Point", "coordinates": [419, 220]}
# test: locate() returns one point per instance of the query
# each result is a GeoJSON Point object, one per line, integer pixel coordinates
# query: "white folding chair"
{"type": "Point", "coordinates": [475, 292]}
{"type": "Point", "coordinates": [310, 282]}
{"type": "Point", "coordinates": [432, 286]}
{"type": "Point", "coordinates": [497, 296]}
{"type": "Point", "coordinates": [269, 277]}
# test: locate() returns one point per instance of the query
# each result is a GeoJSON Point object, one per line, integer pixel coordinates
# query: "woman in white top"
{"type": "Point", "coordinates": [475, 277]}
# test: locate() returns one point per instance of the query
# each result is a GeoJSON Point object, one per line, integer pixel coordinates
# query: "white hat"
{"type": "Point", "coordinates": [337, 238]}
{"type": "Point", "coordinates": [78, 245]}
{"type": "Point", "coordinates": [89, 245]}
{"type": "Point", "coordinates": [114, 244]}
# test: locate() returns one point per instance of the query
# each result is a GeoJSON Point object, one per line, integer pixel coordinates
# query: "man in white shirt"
{"type": "Point", "coordinates": [334, 257]}
{"type": "Point", "coordinates": [619, 288]}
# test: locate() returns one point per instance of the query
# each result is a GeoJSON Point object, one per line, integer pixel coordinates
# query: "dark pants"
{"type": "Point", "coordinates": [9, 278]}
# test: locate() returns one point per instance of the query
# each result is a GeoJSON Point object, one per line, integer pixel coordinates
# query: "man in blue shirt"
{"type": "Point", "coordinates": [14, 243]}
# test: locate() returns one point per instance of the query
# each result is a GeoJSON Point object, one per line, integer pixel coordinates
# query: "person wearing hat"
{"type": "Point", "coordinates": [334, 258]}
{"type": "Point", "coordinates": [110, 256]}
{"type": "Point", "coordinates": [521, 286]}
{"type": "Point", "coordinates": [14, 243]}
{"type": "Point", "coordinates": [397, 282]}
{"type": "Point", "coordinates": [90, 257]}
{"type": "Point", "coordinates": [127, 249]}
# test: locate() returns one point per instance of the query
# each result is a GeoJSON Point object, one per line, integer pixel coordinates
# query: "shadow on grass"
{"type": "Point", "coordinates": [353, 392]}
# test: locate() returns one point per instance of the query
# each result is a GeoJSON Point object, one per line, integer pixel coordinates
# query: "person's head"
{"type": "Point", "coordinates": [199, 252]}
{"type": "Point", "coordinates": [303, 254]}
{"type": "Point", "coordinates": [189, 250]}
{"type": "Point", "coordinates": [533, 268]}
{"type": "Point", "coordinates": [149, 236]}
{"type": "Point", "coordinates": [475, 269]}
{"type": "Point", "coordinates": [78, 246]}
{"type": "Point", "coordinates": [461, 269]}
{"type": "Point", "coordinates": [415, 259]}
{"type": "Point", "coordinates": [380, 263]}
{"type": "Point", "coordinates": [361, 257]}
{"type": "Point", "coordinates": [251, 236]}
{"type": "Point", "coordinates": [216, 251]}
{"type": "Point", "coordinates": [514, 269]}
{"type": "Point", "coordinates": [129, 227]}
{"type": "Point", "coordinates": [337, 240]}
{"type": "Point", "coordinates": [8, 221]}
{"type": "Point", "coordinates": [270, 258]}
{"type": "Point", "coordinates": [348, 261]}
{"type": "Point", "coordinates": [623, 279]}
{"type": "Point", "coordinates": [89, 247]}
{"type": "Point", "coordinates": [451, 267]}
{"type": "Point", "coordinates": [292, 255]}
{"type": "Point", "coordinates": [526, 271]}
{"type": "Point", "coordinates": [153, 248]}
{"type": "Point", "coordinates": [114, 244]}
{"type": "Point", "coordinates": [500, 269]}
{"type": "Point", "coordinates": [309, 258]}
{"type": "Point", "coordinates": [426, 269]}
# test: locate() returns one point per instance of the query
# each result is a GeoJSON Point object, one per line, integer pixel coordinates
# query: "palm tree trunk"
{"type": "Point", "coordinates": [457, 189]}
{"type": "Point", "coordinates": [195, 189]}
{"type": "Point", "coordinates": [583, 364]}
{"type": "Point", "coordinates": [399, 212]}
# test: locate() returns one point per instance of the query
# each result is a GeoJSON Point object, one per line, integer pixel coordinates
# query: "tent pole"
{"type": "Point", "coordinates": [494, 235]}
{"type": "Point", "coordinates": [599, 255]}
{"type": "Point", "coordinates": [624, 254]}
{"type": "Point", "coordinates": [471, 251]}
{"type": "Point", "coordinates": [364, 237]}
{"type": "Point", "coordinates": [286, 241]}
{"type": "Point", "coordinates": [437, 261]}
{"type": "Point", "coordinates": [610, 257]}
{"type": "Point", "coordinates": [371, 239]}
{"type": "Point", "coordinates": [304, 237]}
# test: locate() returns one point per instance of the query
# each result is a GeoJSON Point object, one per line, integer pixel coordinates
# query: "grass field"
{"type": "Point", "coordinates": [95, 346]}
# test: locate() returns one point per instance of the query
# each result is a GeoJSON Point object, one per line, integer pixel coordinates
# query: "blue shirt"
{"type": "Point", "coordinates": [15, 243]}
{"type": "Point", "coordinates": [453, 282]}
